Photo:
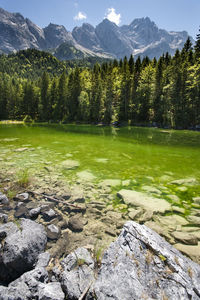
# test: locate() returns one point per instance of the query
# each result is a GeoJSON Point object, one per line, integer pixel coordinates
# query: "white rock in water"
{"type": "Point", "coordinates": [86, 176]}
{"type": "Point", "coordinates": [139, 199]}
{"type": "Point", "coordinates": [111, 182]}
{"type": "Point", "coordinates": [70, 164]}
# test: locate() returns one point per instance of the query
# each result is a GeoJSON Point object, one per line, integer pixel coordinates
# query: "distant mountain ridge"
{"type": "Point", "coordinates": [142, 37]}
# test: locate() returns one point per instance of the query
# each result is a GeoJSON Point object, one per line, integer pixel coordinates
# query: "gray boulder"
{"type": "Point", "coordinates": [53, 232]}
{"type": "Point", "coordinates": [50, 291]}
{"type": "Point", "coordinates": [22, 197]}
{"type": "Point", "coordinates": [3, 218]}
{"type": "Point", "coordinates": [20, 249]}
{"type": "Point", "coordinates": [142, 265]}
{"type": "Point", "coordinates": [3, 199]}
{"type": "Point", "coordinates": [26, 286]}
{"type": "Point", "coordinates": [78, 273]}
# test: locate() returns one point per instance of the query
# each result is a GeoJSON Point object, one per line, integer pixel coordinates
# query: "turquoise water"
{"type": "Point", "coordinates": [145, 156]}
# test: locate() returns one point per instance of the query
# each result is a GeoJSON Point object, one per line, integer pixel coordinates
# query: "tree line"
{"type": "Point", "coordinates": [163, 92]}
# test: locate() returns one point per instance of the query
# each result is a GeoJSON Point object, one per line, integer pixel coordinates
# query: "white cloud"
{"type": "Point", "coordinates": [112, 16]}
{"type": "Point", "coordinates": [80, 16]}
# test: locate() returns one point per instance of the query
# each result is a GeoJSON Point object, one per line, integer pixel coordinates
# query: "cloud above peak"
{"type": "Point", "coordinates": [80, 16]}
{"type": "Point", "coordinates": [112, 16]}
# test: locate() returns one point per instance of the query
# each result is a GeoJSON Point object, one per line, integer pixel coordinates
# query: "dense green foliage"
{"type": "Point", "coordinates": [163, 93]}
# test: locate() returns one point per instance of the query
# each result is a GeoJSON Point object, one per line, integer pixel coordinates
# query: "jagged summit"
{"type": "Point", "coordinates": [141, 37]}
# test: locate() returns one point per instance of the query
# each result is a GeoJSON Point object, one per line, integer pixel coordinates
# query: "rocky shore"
{"type": "Point", "coordinates": [138, 265]}
{"type": "Point", "coordinates": [54, 236]}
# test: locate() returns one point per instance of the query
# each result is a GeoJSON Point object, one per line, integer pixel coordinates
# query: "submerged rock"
{"type": "Point", "coordinates": [86, 176]}
{"type": "Point", "coordinates": [53, 232]}
{"type": "Point", "coordinates": [70, 164]}
{"type": "Point", "coordinates": [142, 200]}
{"type": "Point", "coordinates": [185, 181]}
{"type": "Point", "coordinates": [111, 182]}
{"type": "Point", "coordinates": [75, 224]}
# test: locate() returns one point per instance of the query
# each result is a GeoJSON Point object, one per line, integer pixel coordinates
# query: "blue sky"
{"type": "Point", "coordinates": [175, 15]}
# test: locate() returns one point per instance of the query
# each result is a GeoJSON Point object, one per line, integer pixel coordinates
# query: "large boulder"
{"type": "Point", "coordinates": [142, 265]}
{"type": "Point", "coordinates": [78, 273]}
{"type": "Point", "coordinates": [26, 286]}
{"type": "Point", "coordinates": [21, 247]}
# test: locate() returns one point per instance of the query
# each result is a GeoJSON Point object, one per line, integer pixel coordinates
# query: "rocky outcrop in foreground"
{"type": "Point", "coordinates": [138, 265]}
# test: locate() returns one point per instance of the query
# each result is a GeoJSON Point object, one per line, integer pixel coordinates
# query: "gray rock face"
{"type": "Point", "coordinates": [142, 37]}
{"type": "Point", "coordinates": [78, 273]}
{"type": "Point", "coordinates": [19, 33]}
{"type": "Point", "coordinates": [56, 35]}
{"type": "Point", "coordinates": [142, 265]}
{"type": "Point", "coordinates": [51, 291]}
{"type": "Point", "coordinates": [112, 40]}
{"type": "Point", "coordinates": [20, 249]}
{"type": "Point", "coordinates": [86, 36]}
{"type": "Point", "coordinates": [25, 287]}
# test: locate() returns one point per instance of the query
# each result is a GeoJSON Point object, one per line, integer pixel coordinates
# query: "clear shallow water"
{"type": "Point", "coordinates": [146, 156]}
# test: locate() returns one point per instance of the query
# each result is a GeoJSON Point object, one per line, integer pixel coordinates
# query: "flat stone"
{"type": "Point", "coordinates": [194, 220]}
{"type": "Point", "coordinates": [70, 164]}
{"type": "Point", "coordinates": [21, 149]}
{"type": "Point", "coordinates": [185, 181]}
{"type": "Point", "coordinates": [110, 182]}
{"type": "Point", "coordinates": [173, 220]}
{"type": "Point", "coordinates": [185, 238]}
{"type": "Point", "coordinates": [174, 198]}
{"type": "Point", "coordinates": [192, 251]}
{"type": "Point", "coordinates": [178, 209]}
{"type": "Point", "coordinates": [134, 213]}
{"type": "Point", "coordinates": [195, 212]}
{"type": "Point", "coordinates": [147, 216]}
{"type": "Point", "coordinates": [139, 199]}
{"type": "Point", "coordinates": [151, 189]}
{"type": "Point", "coordinates": [86, 176]}
{"type": "Point", "coordinates": [196, 200]}
{"type": "Point", "coordinates": [101, 160]}
{"type": "Point", "coordinates": [53, 232]}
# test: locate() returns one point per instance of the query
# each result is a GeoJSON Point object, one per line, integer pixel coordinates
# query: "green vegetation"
{"type": "Point", "coordinates": [23, 178]}
{"type": "Point", "coordinates": [163, 93]}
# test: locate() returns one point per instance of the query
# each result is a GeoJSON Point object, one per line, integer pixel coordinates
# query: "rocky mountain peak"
{"type": "Point", "coordinates": [141, 37]}
{"type": "Point", "coordinates": [56, 35]}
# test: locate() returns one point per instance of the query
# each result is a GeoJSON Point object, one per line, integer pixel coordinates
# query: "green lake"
{"type": "Point", "coordinates": [145, 157]}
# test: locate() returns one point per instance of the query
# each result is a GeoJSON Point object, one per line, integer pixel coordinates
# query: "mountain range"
{"type": "Point", "coordinates": [107, 40]}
